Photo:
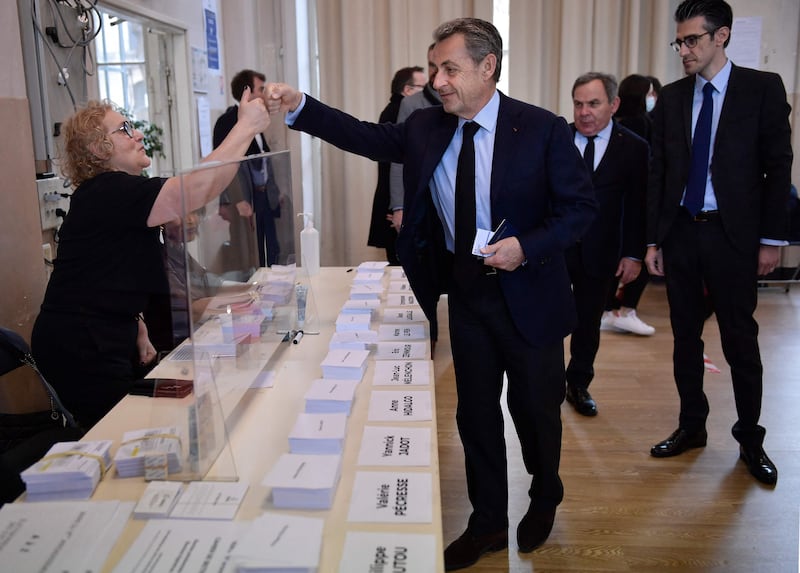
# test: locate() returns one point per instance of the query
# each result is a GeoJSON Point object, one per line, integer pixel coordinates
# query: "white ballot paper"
{"type": "Point", "coordinates": [300, 481]}
{"type": "Point", "coordinates": [393, 350]}
{"type": "Point", "coordinates": [210, 500]}
{"type": "Point", "coordinates": [158, 499]}
{"type": "Point", "coordinates": [392, 497]}
{"type": "Point", "coordinates": [402, 373]}
{"type": "Point", "coordinates": [280, 543]}
{"type": "Point", "coordinates": [400, 406]}
{"type": "Point", "coordinates": [362, 291]}
{"type": "Point", "coordinates": [353, 340]}
{"type": "Point", "coordinates": [328, 396]}
{"type": "Point", "coordinates": [60, 536]}
{"type": "Point", "coordinates": [403, 314]}
{"type": "Point", "coordinates": [318, 434]}
{"type": "Point", "coordinates": [183, 546]}
{"type": "Point", "coordinates": [388, 551]}
{"type": "Point", "coordinates": [373, 265]}
{"type": "Point", "coordinates": [69, 470]}
{"type": "Point", "coordinates": [401, 299]}
{"type": "Point", "coordinates": [368, 277]}
{"type": "Point", "coordinates": [349, 322]}
{"type": "Point", "coordinates": [362, 306]}
{"type": "Point", "coordinates": [341, 364]}
{"type": "Point", "coordinates": [402, 332]}
{"type": "Point", "coordinates": [395, 446]}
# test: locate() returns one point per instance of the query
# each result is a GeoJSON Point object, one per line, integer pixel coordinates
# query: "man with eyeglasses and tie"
{"type": "Point", "coordinates": [480, 159]}
{"type": "Point", "coordinates": [717, 216]}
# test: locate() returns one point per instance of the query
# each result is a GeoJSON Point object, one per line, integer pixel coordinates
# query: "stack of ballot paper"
{"type": "Point", "coordinates": [353, 340]}
{"type": "Point", "coordinates": [69, 470]}
{"type": "Point", "coordinates": [345, 364]}
{"type": "Point", "coordinates": [328, 396]}
{"type": "Point", "coordinates": [368, 278]}
{"type": "Point", "coordinates": [361, 306]}
{"type": "Point", "coordinates": [301, 481]}
{"type": "Point", "coordinates": [279, 293]}
{"type": "Point", "coordinates": [277, 543]}
{"type": "Point", "coordinates": [318, 434]}
{"type": "Point", "coordinates": [372, 265]}
{"type": "Point", "coordinates": [209, 337]}
{"type": "Point", "coordinates": [350, 322]}
{"type": "Point", "coordinates": [368, 291]}
{"type": "Point", "coordinates": [136, 444]}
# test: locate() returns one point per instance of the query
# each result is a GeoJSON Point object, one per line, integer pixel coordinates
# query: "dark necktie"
{"type": "Point", "coordinates": [701, 144]}
{"type": "Point", "coordinates": [588, 153]}
{"type": "Point", "coordinates": [465, 265]}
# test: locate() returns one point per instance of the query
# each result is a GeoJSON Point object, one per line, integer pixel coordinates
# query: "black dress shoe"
{"type": "Point", "coordinates": [535, 528]}
{"type": "Point", "coordinates": [467, 549]}
{"type": "Point", "coordinates": [581, 400]}
{"type": "Point", "coordinates": [760, 466]}
{"type": "Point", "coordinates": [679, 442]}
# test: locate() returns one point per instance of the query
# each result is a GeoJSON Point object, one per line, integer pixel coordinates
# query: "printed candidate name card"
{"type": "Point", "coordinates": [392, 497]}
{"type": "Point", "coordinates": [400, 406]}
{"type": "Point", "coordinates": [397, 274]}
{"type": "Point", "coordinates": [410, 331]}
{"type": "Point", "coordinates": [401, 299]}
{"type": "Point", "coordinates": [401, 314]}
{"type": "Point", "coordinates": [399, 286]}
{"type": "Point", "coordinates": [394, 446]}
{"type": "Point", "coordinates": [387, 552]}
{"type": "Point", "coordinates": [391, 350]}
{"type": "Point", "coordinates": [402, 373]}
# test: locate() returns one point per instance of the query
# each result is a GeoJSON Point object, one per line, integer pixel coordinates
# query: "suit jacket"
{"type": "Point", "coordinates": [380, 232]}
{"type": "Point", "coordinates": [620, 186]}
{"type": "Point", "coordinates": [241, 189]}
{"type": "Point", "coordinates": [751, 163]}
{"type": "Point", "coordinates": [538, 183]}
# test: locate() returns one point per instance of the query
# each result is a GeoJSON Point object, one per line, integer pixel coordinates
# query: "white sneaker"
{"type": "Point", "coordinates": [607, 320]}
{"type": "Point", "coordinates": [632, 323]}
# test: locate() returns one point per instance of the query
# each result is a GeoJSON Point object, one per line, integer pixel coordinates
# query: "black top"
{"type": "Point", "coordinates": [109, 261]}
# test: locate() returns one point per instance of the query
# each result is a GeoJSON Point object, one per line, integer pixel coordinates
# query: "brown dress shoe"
{"type": "Point", "coordinates": [760, 466]}
{"type": "Point", "coordinates": [679, 442]}
{"type": "Point", "coordinates": [535, 528]}
{"type": "Point", "coordinates": [467, 549]}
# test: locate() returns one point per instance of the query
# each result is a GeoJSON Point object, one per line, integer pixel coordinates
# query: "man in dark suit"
{"type": "Point", "coordinates": [510, 308]}
{"type": "Point", "coordinates": [255, 190]}
{"type": "Point", "coordinates": [717, 199]}
{"type": "Point", "coordinates": [614, 245]}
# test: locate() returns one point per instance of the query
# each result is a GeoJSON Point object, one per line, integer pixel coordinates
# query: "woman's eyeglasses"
{"type": "Point", "coordinates": [126, 127]}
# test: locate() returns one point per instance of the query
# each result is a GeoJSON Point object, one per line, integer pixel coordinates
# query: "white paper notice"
{"type": "Point", "coordinates": [388, 551]}
{"type": "Point", "coordinates": [390, 446]}
{"type": "Point", "coordinates": [190, 545]}
{"type": "Point", "coordinates": [402, 373]}
{"type": "Point", "coordinates": [399, 406]}
{"type": "Point", "coordinates": [389, 497]}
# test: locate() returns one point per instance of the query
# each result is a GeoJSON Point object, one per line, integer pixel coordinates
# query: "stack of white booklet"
{"type": "Point", "coordinates": [365, 291]}
{"type": "Point", "coordinates": [318, 434]}
{"type": "Point", "coordinates": [353, 340]}
{"type": "Point", "coordinates": [330, 396]}
{"type": "Point", "coordinates": [136, 444]}
{"type": "Point", "coordinates": [301, 481]}
{"type": "Point", "coordinates": [69, 470]}
{"type": "Point", "coordinates": [349, 322]}
{"type": "Point", "coordinates": [343, 364]}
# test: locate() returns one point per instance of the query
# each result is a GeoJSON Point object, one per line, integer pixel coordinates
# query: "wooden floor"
{"type": "Point", "coordinates": [624, 510]}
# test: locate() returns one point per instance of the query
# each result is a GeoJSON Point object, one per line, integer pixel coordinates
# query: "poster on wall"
{"type": "Point", "coordinates": [212, 40]}
{"type": "Point", "coordinates": [199, 70]}
{"type": "Point", "coordinates": [745, 46]}
{"type": "Point", "coordinates": [204, 125]}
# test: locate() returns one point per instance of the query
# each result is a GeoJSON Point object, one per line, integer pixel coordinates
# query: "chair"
{"type": "Point", "coordinates": [25, 438]}
{"type": "Point", "coordinates": [793, 238]}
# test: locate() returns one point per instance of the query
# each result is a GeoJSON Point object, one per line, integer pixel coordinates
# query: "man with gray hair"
{"type": "Point", "coordinates": [483, 161]}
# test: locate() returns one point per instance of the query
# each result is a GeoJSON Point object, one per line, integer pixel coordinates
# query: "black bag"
{"type": "Point", "coordinates": [25, 438]}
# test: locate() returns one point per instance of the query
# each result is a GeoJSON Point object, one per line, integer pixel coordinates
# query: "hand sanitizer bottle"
{"type": "Point", "coordinates": [309, 245]}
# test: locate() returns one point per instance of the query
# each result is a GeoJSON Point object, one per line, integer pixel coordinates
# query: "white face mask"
{"type": "Point", "coordinates": [649, 103]}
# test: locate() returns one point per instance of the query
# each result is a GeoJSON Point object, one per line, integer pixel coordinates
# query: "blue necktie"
{"type": "Point", "coordinates": [701, 144]}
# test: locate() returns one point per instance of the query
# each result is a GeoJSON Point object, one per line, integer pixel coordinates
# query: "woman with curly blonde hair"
{"type": "Point", "coordinates": [88, 338]}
